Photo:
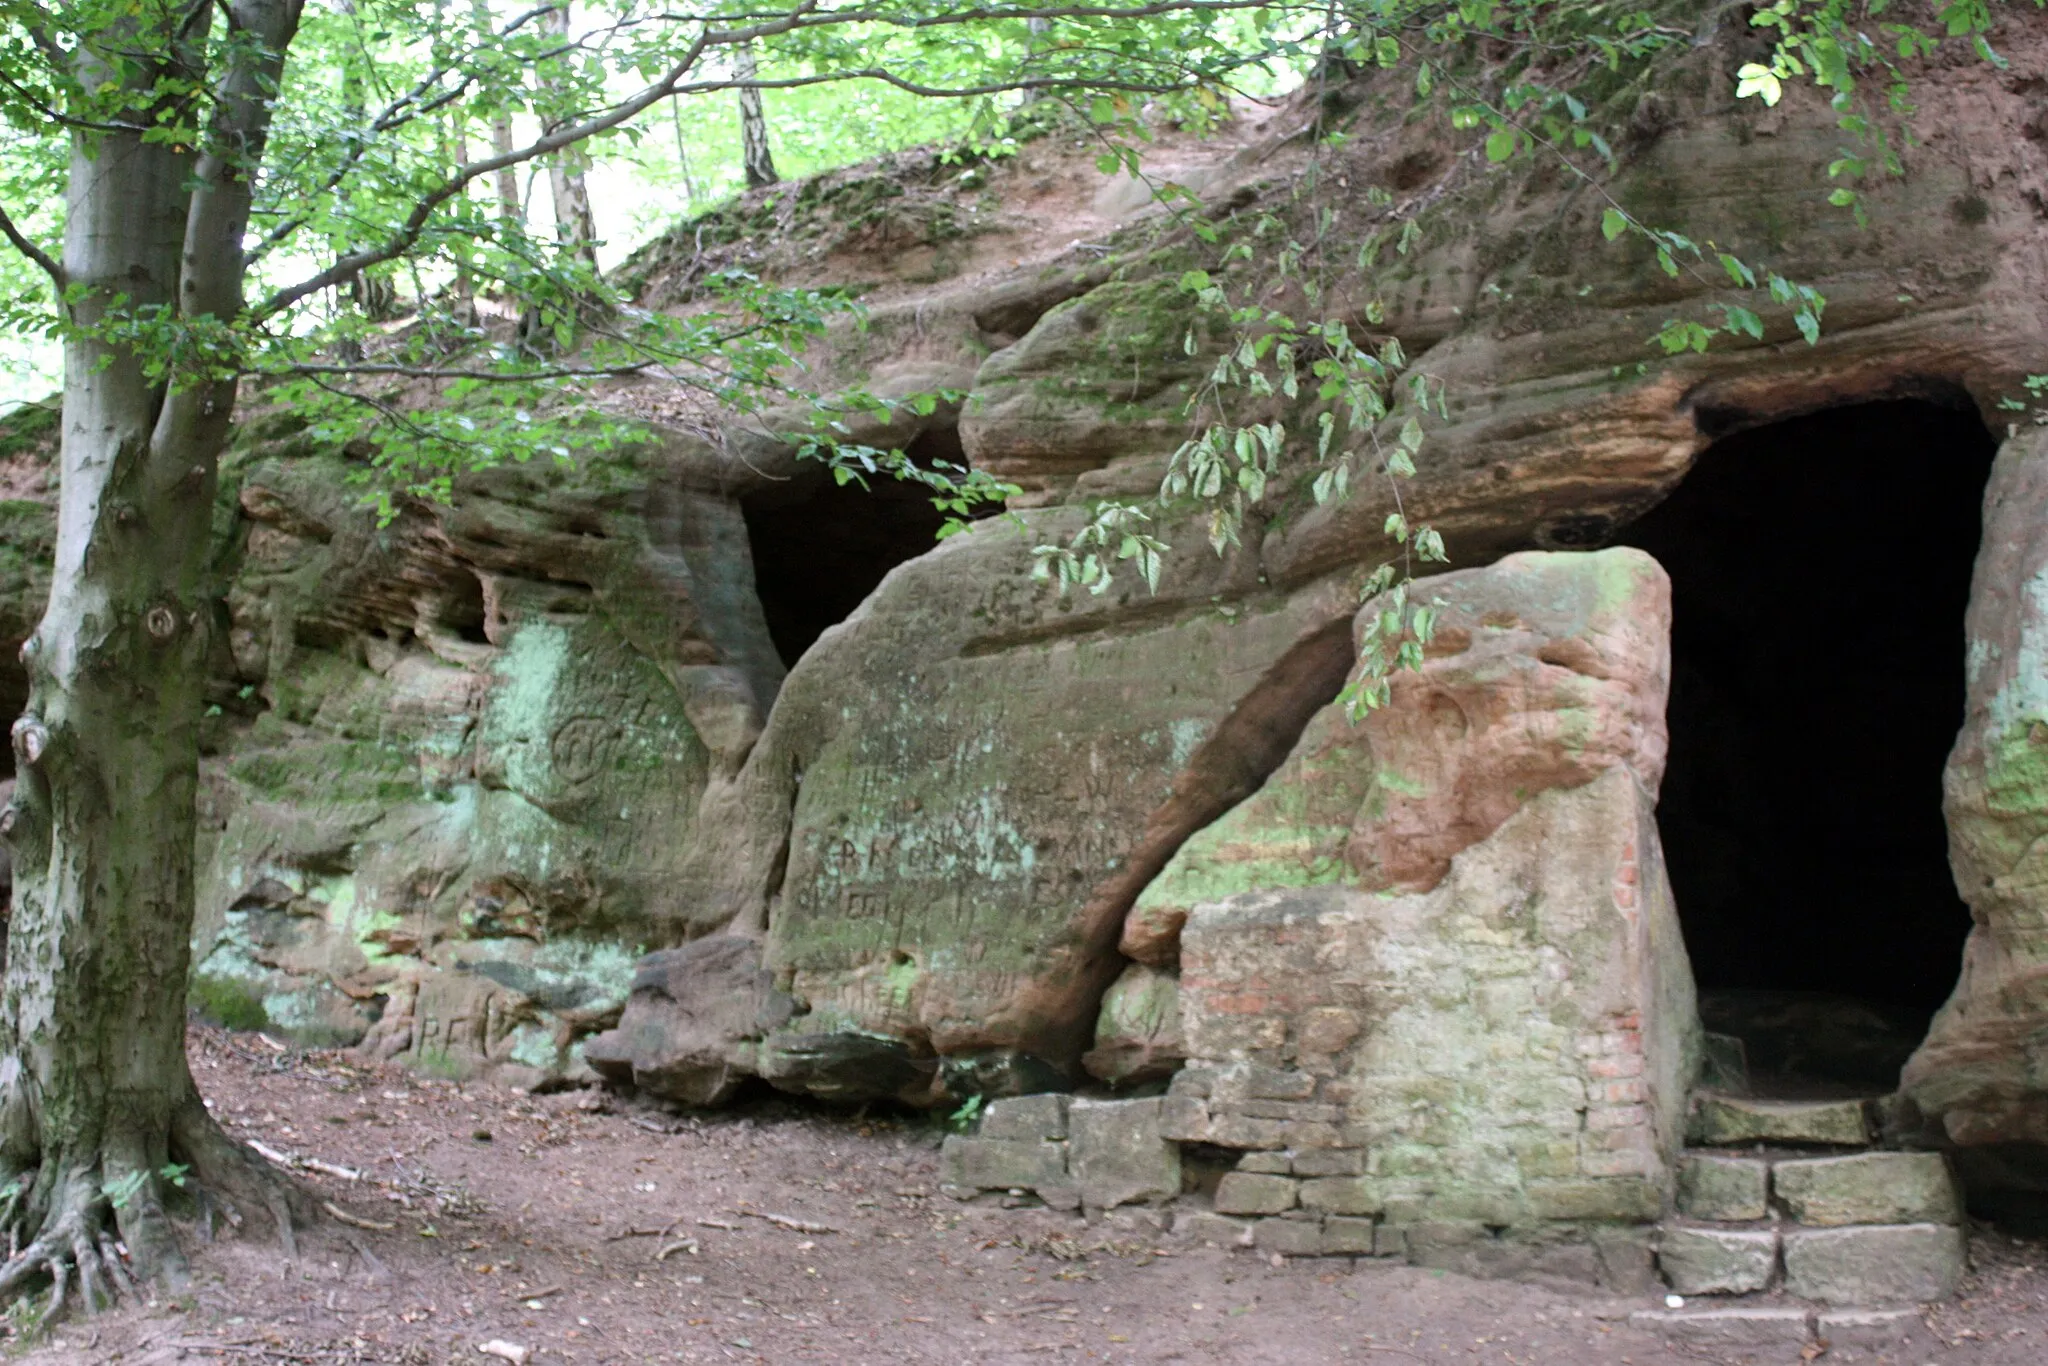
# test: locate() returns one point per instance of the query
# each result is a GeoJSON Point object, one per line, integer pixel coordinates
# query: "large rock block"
{"type": "Point", "coordinates": [988, 774]}
{"type": "Point", "coordinates": [1970, 1080]}
{"type": "Point", "coordinates": [1545, 671]}
{"type": "Point", "coordinates": [1511, 1045]}
{"type": "Point", "coordinates": [689, 1024]}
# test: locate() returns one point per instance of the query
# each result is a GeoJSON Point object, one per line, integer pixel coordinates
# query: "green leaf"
{"type": "Point", "coordinates": [1500, 144]}
{"type": "Point", "coordinates": [1755, 79]}
{"type": "Point", "coordinates": [1742, 320]}
{"type": "Point", "coordinates": [1613, 224]}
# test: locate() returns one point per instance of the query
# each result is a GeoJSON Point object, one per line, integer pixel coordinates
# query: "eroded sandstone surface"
{"type": "Point", "coordinates": [982, 837]}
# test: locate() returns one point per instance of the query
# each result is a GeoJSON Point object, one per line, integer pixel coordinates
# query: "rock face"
{"type": "Point", "coordinates": [453, 822]}
{"type": "Point", "coordinates": [982, 838]}
{"type": "Point", "coordinates": [964, 841]}
{"type": "Point", "coordinates": [1974, 1079]}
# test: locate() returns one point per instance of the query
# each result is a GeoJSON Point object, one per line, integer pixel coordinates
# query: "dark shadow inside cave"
{"type": "Point", "coordinates": [820, 547]}
{"type": "Point", "coordinates": [1819, 567]}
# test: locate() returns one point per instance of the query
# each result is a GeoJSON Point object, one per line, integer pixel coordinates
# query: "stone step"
{"type": "Point", "coordinates": [1710, 1260]}
{"type": "Point", "coordinates": [1753, 1326]}
{"type": "Point", "coordinates": [1859, 1264]}
{"type": "Point", "coordinates": [1850, 1188]}
{"type": "Point", "coordinates": [1721, 1120]}
{"type": "Point", "coordinates": [1868, 1188]}
{"type": "Point", "coordinates": [1766, 1326]}
{"type": "Point", "coordinates": [1875, 1263]}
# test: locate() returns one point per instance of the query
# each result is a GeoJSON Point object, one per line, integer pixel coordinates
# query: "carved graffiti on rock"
{"type": "Point", "coordinates": [581, 747]}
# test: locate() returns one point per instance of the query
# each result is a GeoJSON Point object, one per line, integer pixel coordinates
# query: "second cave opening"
{"type": "Point", "coordinates": [1820, 567]}
{"type": "Point", "coordinates": [820, 547]}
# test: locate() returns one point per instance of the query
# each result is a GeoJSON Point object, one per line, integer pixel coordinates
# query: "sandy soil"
{"type": "Point", "coordinates": [586, 1230]}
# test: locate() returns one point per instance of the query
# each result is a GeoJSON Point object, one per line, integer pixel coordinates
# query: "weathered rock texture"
{"type": "Point", "coordinates": [470, 765]}
{"type": "Point", "coordinates": [1510, 1042]}
{"type": "Point", "coordinates": [1978, 1075]}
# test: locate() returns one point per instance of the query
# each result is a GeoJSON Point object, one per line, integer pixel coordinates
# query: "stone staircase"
{"type": "Point", "coordinates": [1792, 1224]}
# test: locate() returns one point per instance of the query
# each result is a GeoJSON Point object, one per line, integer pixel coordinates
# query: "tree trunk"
{"type": "Point", "coordinates": [96, 1100]}
{"type": "Point", "coordinates": [575, 226]}
{"type": "Point", "coordinates": [760, 162]}
{"type": "Point", "coordinates": [510, 211]}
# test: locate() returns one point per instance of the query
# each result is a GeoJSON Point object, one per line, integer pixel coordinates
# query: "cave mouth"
{"type": "Point", "coordinates": [1819, 570]}
{"type": "Point", "coordinates": [820, 547]}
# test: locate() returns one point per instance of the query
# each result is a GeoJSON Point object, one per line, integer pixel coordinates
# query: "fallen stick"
{"type": "Point", "coordinates": [355, 1220]}
{"type": "Point", "coordinates": [688, 1245]}
{"type": "Point", "coordinates": [716, 1223]}
{"type": "Point", "coordinates": [345, 1173]}
{"type": "Point", "coordinates": [785, 1221]}
{"type": "Point", "coordinates": [269, 1152]}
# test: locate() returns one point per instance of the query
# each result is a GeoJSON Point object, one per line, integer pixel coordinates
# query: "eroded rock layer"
{"type": "Point", "coordinates": [469, 765]}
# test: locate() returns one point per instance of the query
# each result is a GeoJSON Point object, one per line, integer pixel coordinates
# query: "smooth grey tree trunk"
{"type": "Point", "coordinates": [754, 151]}
{"type": "Point", "coordinates": [575, 225]}
{"type": "Point", "coordinates": [96, 1100]}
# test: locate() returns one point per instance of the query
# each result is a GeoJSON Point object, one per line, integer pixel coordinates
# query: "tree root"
{"type": "Point", "coordinates": [74, 1242]}
{"type": "Point", "coordinates": [98, 1226]}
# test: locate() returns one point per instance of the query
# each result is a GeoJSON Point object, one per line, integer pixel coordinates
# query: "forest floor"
{"type": "Point", "coordinates": [581, 1229]}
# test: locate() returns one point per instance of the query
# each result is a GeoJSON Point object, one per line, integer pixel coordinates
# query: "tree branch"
{"type": "Point", "coordinates": [487, 376]}
{"type": "Point", "coordinates": [35, 254]}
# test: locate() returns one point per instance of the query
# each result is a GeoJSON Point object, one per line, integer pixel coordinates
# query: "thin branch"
{"type": "Point", "coordinates": [487, 376]}
{"type": "Point", "coordinates": [35, 254]}
{"type": "Point", "coordinates": [56, 116]}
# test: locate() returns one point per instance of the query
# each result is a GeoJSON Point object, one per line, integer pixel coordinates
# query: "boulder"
{"type": "Point", "coordinates": [1509, 1039]}
{"type": "Point", "coordinates": [1545, 670]}
{"type": "Point", "coordinates": [1970, 1081]}
{"type": "Point", "coordinates": [690, 1021]}
{"type": "Point", "coordinates": [985, 784]}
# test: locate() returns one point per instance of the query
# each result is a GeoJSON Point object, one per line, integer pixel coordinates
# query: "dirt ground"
{"type": "Point", "coordinates": [586, 1230]}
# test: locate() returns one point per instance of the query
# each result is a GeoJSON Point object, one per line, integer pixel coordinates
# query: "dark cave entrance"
{"type": "Point", "coordinates": [820, 547]}
{"type": "Point", "coordinates": [1820, 568]}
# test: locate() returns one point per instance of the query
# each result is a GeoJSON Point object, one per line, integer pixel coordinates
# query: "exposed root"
{"type": "Point", "coordinates": [73, 1245]}
{"type": "Point", "coordinates": [96, 1230]}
